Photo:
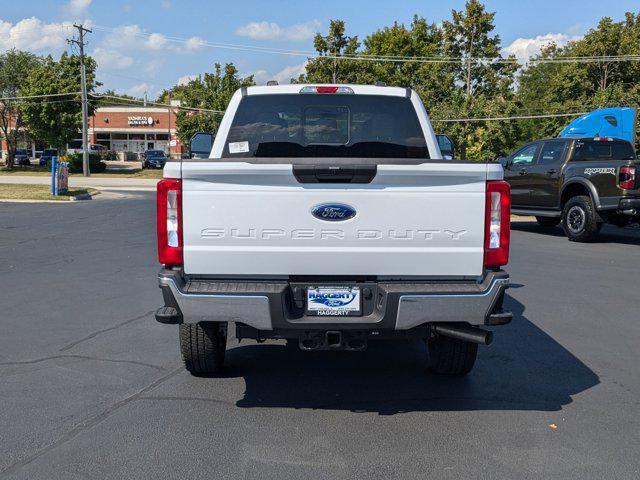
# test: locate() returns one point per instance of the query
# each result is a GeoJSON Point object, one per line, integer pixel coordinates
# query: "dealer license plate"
{"type": "Point", "coordinates": [334, 301]}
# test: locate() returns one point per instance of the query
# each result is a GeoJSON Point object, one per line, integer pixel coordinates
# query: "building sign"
{"type": "Point", "coordinates": [140, 121]}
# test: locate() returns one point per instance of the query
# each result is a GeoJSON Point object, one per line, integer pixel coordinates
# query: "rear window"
{"type": "Point", "coordinates": [325, 125]}
{"type": "Point", "coordinates": [603, 150]}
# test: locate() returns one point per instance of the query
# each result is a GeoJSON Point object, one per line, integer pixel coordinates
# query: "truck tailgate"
{"type": "Point", "coordinates": [256, 219]}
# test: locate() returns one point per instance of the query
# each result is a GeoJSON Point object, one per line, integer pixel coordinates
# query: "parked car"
{"type": "Point", "coordinates": [154, 159]}
{"type": "Point", "coordinates": [21, 157]}
{"type": "Point", "coordinates": [93, 148]}
{"type": "Point", "coordinates": [581, 182]}
{"type": "Point", "coordinates": [47, 153]}
{"type": "Point", "coordinates": [317, 216]}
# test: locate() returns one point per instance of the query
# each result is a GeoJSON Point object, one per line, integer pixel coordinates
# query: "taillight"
{"type": "Point", "coordinates": [627, 177]}
{"type": "Point", "coordinates": [169, 221]}
{"type": "Point", "coordinates": [497, 224]}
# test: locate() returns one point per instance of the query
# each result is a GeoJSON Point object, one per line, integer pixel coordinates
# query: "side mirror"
{"type": "Point", "coordinates": [446, 147]}
{"type": "Point", "coordinates": [504, 161]}
{"type": "Point", "coordinates": [200, 145]}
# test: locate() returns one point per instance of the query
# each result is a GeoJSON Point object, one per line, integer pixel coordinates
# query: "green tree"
{"type": "Point", "coordinates": [434, 82]}
{"type": "Point", "coordinates": [211, 91]}
{"type": "Point", "coordinates": [577, 87]}
{"type": "Point", "coordinates": [486, 81]}
{"type": "Point", "coordinates": [328, 68]}
{"type": "Point", "coordinates": [15, 66]}
{"type": "Point", "coordinates": [468, 36]}
{"type": "Point", "coordinates": [57, 120]}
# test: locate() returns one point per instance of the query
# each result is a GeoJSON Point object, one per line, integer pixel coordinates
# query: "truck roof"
{"type": "Point", "coordinates": [357, 89]}
{"type": "Point", "coordinates": [571, 139]}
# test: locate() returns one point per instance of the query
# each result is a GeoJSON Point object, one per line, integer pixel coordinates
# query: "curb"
{"type": "Point", "coordinates": [75, 198]}
{"type": "Point", "coordinates": [22, 200]}
{"type": "Point", "coordinates": [522, 218]}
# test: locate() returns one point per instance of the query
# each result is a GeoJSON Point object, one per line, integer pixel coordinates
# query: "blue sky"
{"type": "Point", "coordinates": [131, 39]}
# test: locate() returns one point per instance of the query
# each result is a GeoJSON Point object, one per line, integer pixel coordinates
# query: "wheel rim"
{"type": "Point", "coordinates": [576, 219]}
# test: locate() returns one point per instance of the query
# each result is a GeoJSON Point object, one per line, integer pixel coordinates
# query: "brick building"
{"type": "Point", "coordinates": [129, 131]}
{"type": "Point", "coordinates": [135, 130]}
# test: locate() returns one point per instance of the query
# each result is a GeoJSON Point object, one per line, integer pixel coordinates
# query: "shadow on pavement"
{"type": "Point", "coordinates": [524, 369]}
{"type": "Point", "coordinates": [609, 233]}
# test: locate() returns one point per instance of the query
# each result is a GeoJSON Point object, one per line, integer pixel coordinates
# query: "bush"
{"type": "Point", "coordinates": [108, 155]}
{"type": "Point", "coordinates": [96, 165]}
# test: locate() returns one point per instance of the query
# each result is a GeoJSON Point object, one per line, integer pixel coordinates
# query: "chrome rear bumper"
{"type": "Point", "coordinates": [268, 305]}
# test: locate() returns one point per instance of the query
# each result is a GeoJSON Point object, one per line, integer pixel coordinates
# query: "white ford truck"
{"type": "Point", "coordinates": [326, 216]}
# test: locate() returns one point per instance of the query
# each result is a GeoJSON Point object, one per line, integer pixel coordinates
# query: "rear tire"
{"type": "Point", "coordinates": [579, 219]}
{"type": "Point", "coordinates": [548, 221]}
{"type": "Point", "coordinates": [449, 356]}
{"type": "Point", "coordinates": [203, 346]}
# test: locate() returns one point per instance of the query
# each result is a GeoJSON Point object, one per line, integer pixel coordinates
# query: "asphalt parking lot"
{"type": "Point", "coordinates": [92, 387]}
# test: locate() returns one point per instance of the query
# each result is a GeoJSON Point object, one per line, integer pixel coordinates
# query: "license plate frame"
{"type": "Point", "coordinates": [333, 301]}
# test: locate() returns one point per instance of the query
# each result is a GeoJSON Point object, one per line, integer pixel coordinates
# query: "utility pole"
{"type": "Point", "coordinates": [85, 110]}
{"type": "Point", "coordinates": [169, 131]}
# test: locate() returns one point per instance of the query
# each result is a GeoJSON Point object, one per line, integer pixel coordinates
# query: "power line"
{"type": "Point", "coordinates": [28, 97]}
{"type": "Point", "coordinates": [136, 102]}
{"type": "Point", "coordinates": [515, 117]}
{"type": "Point", "coordinates": [433, 120]}
{"type": "Point", "coordinates": [384, 58]}
{"type": "Point", "coordinates": [156, 104]}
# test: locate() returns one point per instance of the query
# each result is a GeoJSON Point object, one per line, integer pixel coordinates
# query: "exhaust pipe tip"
{"type": "Point", "coordinates": [465, 333]}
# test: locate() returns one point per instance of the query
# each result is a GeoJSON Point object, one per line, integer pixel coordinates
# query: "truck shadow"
{"type": "Point", "coordinates": [524, 369]}
{"type": "Point", "coordinates": [609, 233]}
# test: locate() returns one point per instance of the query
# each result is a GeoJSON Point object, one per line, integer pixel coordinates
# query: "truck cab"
{"type": "Point", "coordinates": [581, 182]}
{"type": "Point", "coordinates": [326, 216]}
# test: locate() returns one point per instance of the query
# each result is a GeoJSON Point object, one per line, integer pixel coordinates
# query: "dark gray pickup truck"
{"type": "Point", "coordinates": [581, 182]}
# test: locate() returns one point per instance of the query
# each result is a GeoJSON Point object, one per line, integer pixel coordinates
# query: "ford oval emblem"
{"type": "Point", "coordinates": [333, 212]}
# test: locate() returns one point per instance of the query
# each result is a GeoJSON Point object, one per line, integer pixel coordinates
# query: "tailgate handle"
{"type": "Point", "coordinates": [334, 173]}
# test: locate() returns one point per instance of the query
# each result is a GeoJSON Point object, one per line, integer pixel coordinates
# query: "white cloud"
{"type": "Point", "coordinates": [139, 89]}
{"type": "Point", "coordinates": [111, 59]}
{"type": "Point", "coordinates": [273, 31]}
{"type": "Point", "coordinates": [166, 4]}
{"type": "Point", "coordinates": [156, 41]}
{"type": "Point", "coordinates": [78, 7]}
{"type": "Point", "coordinates": [525, 48]}
{"type": "Point", "coordinates": [260, 76]}
{"type": "Point", "coordinates": [293, 71]}
{"type": "Point", "coordinates": [194, 43]}
{"type": "Point", "coordinates": [125, 36]}
{"type": "Point", "coordinates": [132, 38]}
{"type": "Point", "coordinates": [34, 35]}
{"type": "Point", "coordinates": [284, 76]}
{"type": "Point", "coordinates": [186, 79]}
